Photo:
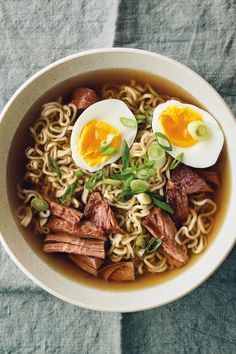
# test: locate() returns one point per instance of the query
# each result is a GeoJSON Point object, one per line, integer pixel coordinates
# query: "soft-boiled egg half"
{"type": "Point", "coordinates": [191, 131]}
{"type": "Point", "coordinates": [98, 134]}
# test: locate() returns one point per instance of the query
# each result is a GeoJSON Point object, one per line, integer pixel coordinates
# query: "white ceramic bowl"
{"type": "Point", "coordinates": [21, 252]}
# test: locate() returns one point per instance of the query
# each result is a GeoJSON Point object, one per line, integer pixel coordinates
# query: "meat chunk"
{"type": "Point", "coordinates": [160, 225]}
{"type": "Point", "coordinates": [178, 199]}
{"type": "Point", "coordinates": [70, 244]}
{"type": "Point", "coordinates": [210, 176]}
{"type": "Point", "coordinates": [84, 97]}
{"type": "Point", "coordinates": [84, 229]}
{"type": "Point", "coordinates": [71, 215]}
{"type": "Point", "coordinates": [123, 271]}
{"type": "Point", "coordinates": [189, 180]}
{"type": "Point", "coordinates": [89, 264]}
{"type": "Point", "coordinates": [100, 213]}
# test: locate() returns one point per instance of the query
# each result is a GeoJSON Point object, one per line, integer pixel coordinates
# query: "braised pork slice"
{"type": "Point", "coordinates": [70, 244]}
{"type": "Point", "coordinates": [189, 180]}
{"type": "Point", "coordinates": [69, 214]}
{"type": "Point", "coordinates": [84, 97]}
{"type": "Point", "coordinates": [84, 229]}
{"type": "Point", "coordinates": [160, 225]}
{"type": "Point", "coordinates": [123, 271]}
{"type": "Point", "coordinates": [210, 176]}
{"type": "Point", "coordinates": [89, 264]}
{"type": "Point", "coordinates": [178, 199]}
{"type": "Point", "coordinates": [100, 213]}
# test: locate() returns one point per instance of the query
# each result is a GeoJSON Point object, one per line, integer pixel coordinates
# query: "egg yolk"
{"type": "Point", "coordinates": [90, 139]}
{"type": "Point", "coordinates": [175, 120]}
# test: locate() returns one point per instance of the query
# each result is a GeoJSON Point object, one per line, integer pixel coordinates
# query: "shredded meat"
{"type": "Point", "coordinates": [70, 244]}
{"type": "Point", "coordinates": [100, 213]}
{"type": "Point", "coordinates": [160, 225]}
{"type": "Point", "coordinates": [84, 229]}
{"type": "Point", "coordinates": [89, 264]}
{"type": "Point", "coordinates": [123, 271]}
{"type": "Point", "coordinates": [71, 215]}
{"type": "Point", "coordinates": [189, 180]}
{"type": "Point", "coordinates": [210, 176]}
{"type": "Point", "coordinates": [84, 97]}
{"type": "Point", "coordinates": [178, 199]}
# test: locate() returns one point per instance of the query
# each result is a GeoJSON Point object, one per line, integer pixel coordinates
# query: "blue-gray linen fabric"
{"type": "Point", "coordinates": [198, 33]}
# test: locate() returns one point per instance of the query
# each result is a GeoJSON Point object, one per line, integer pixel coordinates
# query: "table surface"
{"type": "Point", "coordinates": [200, 34]}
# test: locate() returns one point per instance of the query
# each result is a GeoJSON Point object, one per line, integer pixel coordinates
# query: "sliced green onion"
{"type": "Point", "coordinates": [160, 136]}
{"type": "Point", "coordinates": [176, 161]}
{"type": "Point", "coordinates": [70, 191]}
{"type": "Point", "coordinates": [145, 173]}
{"type": "Point", "coordinates": [140, 252]}
{"type": "Point", "coordinates": [39, 204]}
{"type": "Point", "coordinates": [105, 147]}
{"type": "Point", "coordinates": [140, 241]}
{"type": "Point", "coordinates": [157, 154]}
{"type": "Point", "coordinates": [53, 165]}
{"type": "Point", "coordinates": [96, 177]}
{"type": "Point", "coordinates": [198, 130]}
{"type": "Point", "coordinates": [121, 176]}
{"type": "Point", "coordinates": [152, 245]}
{"type": "Point", "coordinates": [149, 164]}
{"type": "Point", "coordinates": [130, 123]}
{"type": "Point", "coordinates": [125, 174]}
{"type": "Point", "coordinates": [163, 205]}
{"type": "Point", "coordinates": [109, 150]}
{"type": "Point", "coordinates": [144, 198]}
{"type": "Point", "coordinates": [139, 186]}
{"type": "Point", "coordinates": [124, 196]}
{"type": "Point", "coordinates": [112, 182]}
{"type": "Point", "coordinates": [78, 173]}
{"type": "Point", "coordinates": [141, 118]}
{"type": "Point", "coordinates": [125, 154]}
{"type": "Point", "coordinates": [128, 181]}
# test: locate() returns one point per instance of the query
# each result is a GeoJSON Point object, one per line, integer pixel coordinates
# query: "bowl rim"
{"type": "Point", "coordinates": [8, 248]}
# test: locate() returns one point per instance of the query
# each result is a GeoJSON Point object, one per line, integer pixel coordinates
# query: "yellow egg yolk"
{"type": "Point", "coordinates": [90, 139]}
{"type": "Point", "coordinates": [174, 121]}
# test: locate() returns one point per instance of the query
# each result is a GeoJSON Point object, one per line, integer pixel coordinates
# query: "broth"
{"type": "Point", "coordinates": [16, 165]}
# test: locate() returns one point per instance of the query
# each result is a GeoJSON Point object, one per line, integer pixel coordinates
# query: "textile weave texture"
{"type": "Point", "coordinates": [198, 33]}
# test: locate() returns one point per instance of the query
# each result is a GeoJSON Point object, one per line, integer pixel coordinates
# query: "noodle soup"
{"type": "Point", "coordinates": [142, 93]}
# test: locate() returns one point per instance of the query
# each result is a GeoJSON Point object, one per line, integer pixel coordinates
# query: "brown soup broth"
{"type": "Point", "coordinates": [17, 162]}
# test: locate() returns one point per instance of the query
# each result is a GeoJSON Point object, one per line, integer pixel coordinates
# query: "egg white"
{"type": "Point", "coordinates": [108, 111]}
{"type": "Point", "coordinates": [204, 153]}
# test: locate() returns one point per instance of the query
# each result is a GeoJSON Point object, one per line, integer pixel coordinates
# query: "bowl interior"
{"type": "Point", "coordinates": [92, 69]}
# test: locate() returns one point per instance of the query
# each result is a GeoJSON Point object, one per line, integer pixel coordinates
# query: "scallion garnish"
{"type": "Point", "coordinates": [39, 204]}
{"type": "Point", "coordinates": [139, 186]}
{"type": "Point", "coordinates": [152, 245]}
{"type": "Point", "coordinates": [96, 177]}
{"type": "Point", "coordinates": [53, 165]}
{"type": "Point", "coordinates": [162, 205]}
{"type": "Point", "coordinates": [140, 241]}
{"type": "Point", "coordinates": [125, 196]}
{"type": "Point", "coordinates": [78, 173]}
{"type": "Point", "coordinates": [160, 136]}
{"type": "Point", "coordinates": [128, 181]}
{"type": "Point", "coordinates": [127, 122]}
{"type": "Point", "coordinates": [145, 173]}
{"type": "Point", "coordinates": [157, 154]}
{"type": "Point", "coordinates": [144, 198]}
{"type": "Point", "coordinates": [125, 154]}
{"type": "Point", "coordinates": [176, 161]}
{"type": "Point", "coordinates": [198, 130]}
{"type": "Point", "coordinates": [141, 118]}
{"type": "Point", "coordinates": [70, 191]}
{"type": "Point", "coordinates": [110, 150]}
{"type": "Point", "coordinates": [112, 182]}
